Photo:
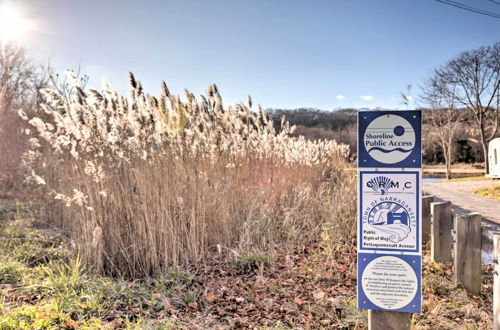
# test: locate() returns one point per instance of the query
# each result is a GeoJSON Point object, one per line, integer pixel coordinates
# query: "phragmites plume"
{"type": "Point", "coordinates": [112, 124]}
{"type": "Point", "coordinates": [53, 97]}
{"type": "Point", "coordinates": [80, 95]}
{"type": "Point", "coordinates": [131, 80]}
{"type": "Point", "coordinates": [140, 91]}
{"type": "Point", "coordinates": [164, 89]}
{"type": "Point", "coordinates": [96, 95]}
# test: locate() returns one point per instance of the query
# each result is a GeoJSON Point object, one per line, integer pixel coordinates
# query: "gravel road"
{"type": "Point", "coordinates": [461, 194]}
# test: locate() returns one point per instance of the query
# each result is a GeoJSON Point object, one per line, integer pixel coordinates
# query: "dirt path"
{"type": "Point", "coordinates": [461, 195]}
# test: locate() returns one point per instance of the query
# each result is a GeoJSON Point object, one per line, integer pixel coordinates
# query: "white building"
{"type": "Point", "coordinates": [494, 158]}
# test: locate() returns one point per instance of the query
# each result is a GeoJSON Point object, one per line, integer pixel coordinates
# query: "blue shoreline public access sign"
{"type": "Point", "coordinates": [389, 211]}
{"type": "Point", "coordinates": [390, 139]}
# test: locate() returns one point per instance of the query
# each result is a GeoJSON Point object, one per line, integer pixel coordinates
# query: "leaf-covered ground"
{"type": "Point", "coordinates": [43, 285]}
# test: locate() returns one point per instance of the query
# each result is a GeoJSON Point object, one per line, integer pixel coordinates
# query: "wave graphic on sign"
{"type": "Point", "coordinates": [389, 156]}
{"type": "Point", "coordinates": [387, 151]}
{"type": "Point", "coordinates": [397, 231]}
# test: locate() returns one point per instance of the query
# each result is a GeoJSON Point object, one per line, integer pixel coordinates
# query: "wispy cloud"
{"type": "Point", "coordinates": [367, 97]}
{"type": "Point", "coordinates": [340, 97]}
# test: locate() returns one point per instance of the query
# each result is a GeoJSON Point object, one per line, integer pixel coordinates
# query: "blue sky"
{"type": "Point", "coordinates": [285, 54]}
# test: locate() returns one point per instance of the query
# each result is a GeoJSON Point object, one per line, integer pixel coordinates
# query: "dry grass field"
{"type": "Point", "coordinates": [144, 183]}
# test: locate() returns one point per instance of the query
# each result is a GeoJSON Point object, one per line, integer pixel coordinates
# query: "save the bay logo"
{"type": "Point", "coordinates": [388, 211]}
{"type": "Point", "coordinates": [389, 139]}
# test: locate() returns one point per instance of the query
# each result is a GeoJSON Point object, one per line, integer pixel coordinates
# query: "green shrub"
{"type": "Point", "coordinates": [11, 272]}
{"type": "Point", "coordinates": [249, 262]}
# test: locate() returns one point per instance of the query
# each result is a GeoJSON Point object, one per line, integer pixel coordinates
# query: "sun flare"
{"type": "Point", "coordinates": [13, 24]}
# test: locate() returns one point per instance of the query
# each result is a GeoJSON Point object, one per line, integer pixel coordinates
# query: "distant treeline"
{"type": "Point", "coordinates": [340, 125]}
{"type": "Point", "coordinates": [314, 124]}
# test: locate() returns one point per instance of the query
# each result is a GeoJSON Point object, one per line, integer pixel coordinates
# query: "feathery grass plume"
{"type": "Point", "coordinates": [164, 89]}
{"type": "Point", "coordinates": [144, 183]}
{"type": "Point", "coordinates": [132, 81]}
{"type": "Point", "coordinates": [96, 95]}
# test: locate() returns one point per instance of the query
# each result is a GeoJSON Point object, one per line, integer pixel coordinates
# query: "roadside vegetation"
{"type": "Point", "coordinates": [468, 178]}
{"type": "Point", "coordinates": [44, 285]}
{"type": "Point", "coordinates": [492, 192]}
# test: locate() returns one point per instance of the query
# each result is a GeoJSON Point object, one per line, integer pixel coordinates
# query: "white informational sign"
{"type": "Point", "coordinates": [389, 211]}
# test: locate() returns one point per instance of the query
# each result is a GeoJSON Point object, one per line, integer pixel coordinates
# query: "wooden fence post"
{"type": "Point", "coordinates": [467, 263]}
{"type": "Point", "coordinates": [426, 219]}
{"type": "Point", "coordinates": [442, 224]}
{"type": "Point", "coordinates": [496, 281]}
{"type": "Point", "coordinates": [385, 320]}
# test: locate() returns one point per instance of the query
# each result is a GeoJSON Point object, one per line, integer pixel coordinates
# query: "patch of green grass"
{"type": "Point", "coordinates": [47, 316]}
{"type": "Point", "coordinates": [40, 316]}
{"type": "Point", "coordinates": [467, 178]}
{"type": "Point", "coordinates": [144, 324]}
{"type": "Point", "coordinates": [33, 252]}
{"type": "Point", "coordinates": [352, 315]}
{"type": "Point", "coordinates": [71, 296]}
{"type": "Point", "coordinates": [174, 279]}
{"type": "Point", "coordinates": [11, 272]}
{"type": "Point", "coordinates": [21, 241]}
{"type": "Point", "coordinates": [491, 192]}
{"type": "Point", "coordinates": [8, 209]}
{"type": "Point", "coordinates": [249, 262]}
{"type": "Point", "coordinates": [66, 295]}
{"type": "Point", "coordinates": [277, 326]}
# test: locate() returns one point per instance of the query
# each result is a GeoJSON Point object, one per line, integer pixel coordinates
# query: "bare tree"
{"type": "Point", "coordinates": [472, 79]}
{"type": "Point", "coordinates": [20, 81]}
{"type": "Point", "coordinates": [18, 77]}
{"type": "Point", "coordinates": [443, 116]}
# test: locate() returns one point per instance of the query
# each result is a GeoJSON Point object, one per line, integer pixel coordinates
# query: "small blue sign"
{"type": "Point", "coordinates": [390, 282]}
{"type": "Point", "coordinates": [390, 139]}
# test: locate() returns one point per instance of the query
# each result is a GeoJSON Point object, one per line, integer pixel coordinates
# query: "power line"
{"type": "Point", "coordinates": [496, 2]}
{"type": "Point", "coordinates": [469, 8]}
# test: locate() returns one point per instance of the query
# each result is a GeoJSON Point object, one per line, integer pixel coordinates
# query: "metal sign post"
{"type": "Point", "coordinates": [389, 211]}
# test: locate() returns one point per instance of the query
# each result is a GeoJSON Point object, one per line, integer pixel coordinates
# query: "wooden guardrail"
{"type": "Point", "coordinates": [467, 263]}
{"type": "Point", "coordinates": [496, 282]}
{"type": "Point", "coordinates": [467, 247]}
{"type": "Point", "coordinates": [441, 227]}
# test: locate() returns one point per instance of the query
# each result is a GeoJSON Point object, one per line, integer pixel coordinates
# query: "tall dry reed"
{"type": "Point", "coordinates": [143, 182]}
